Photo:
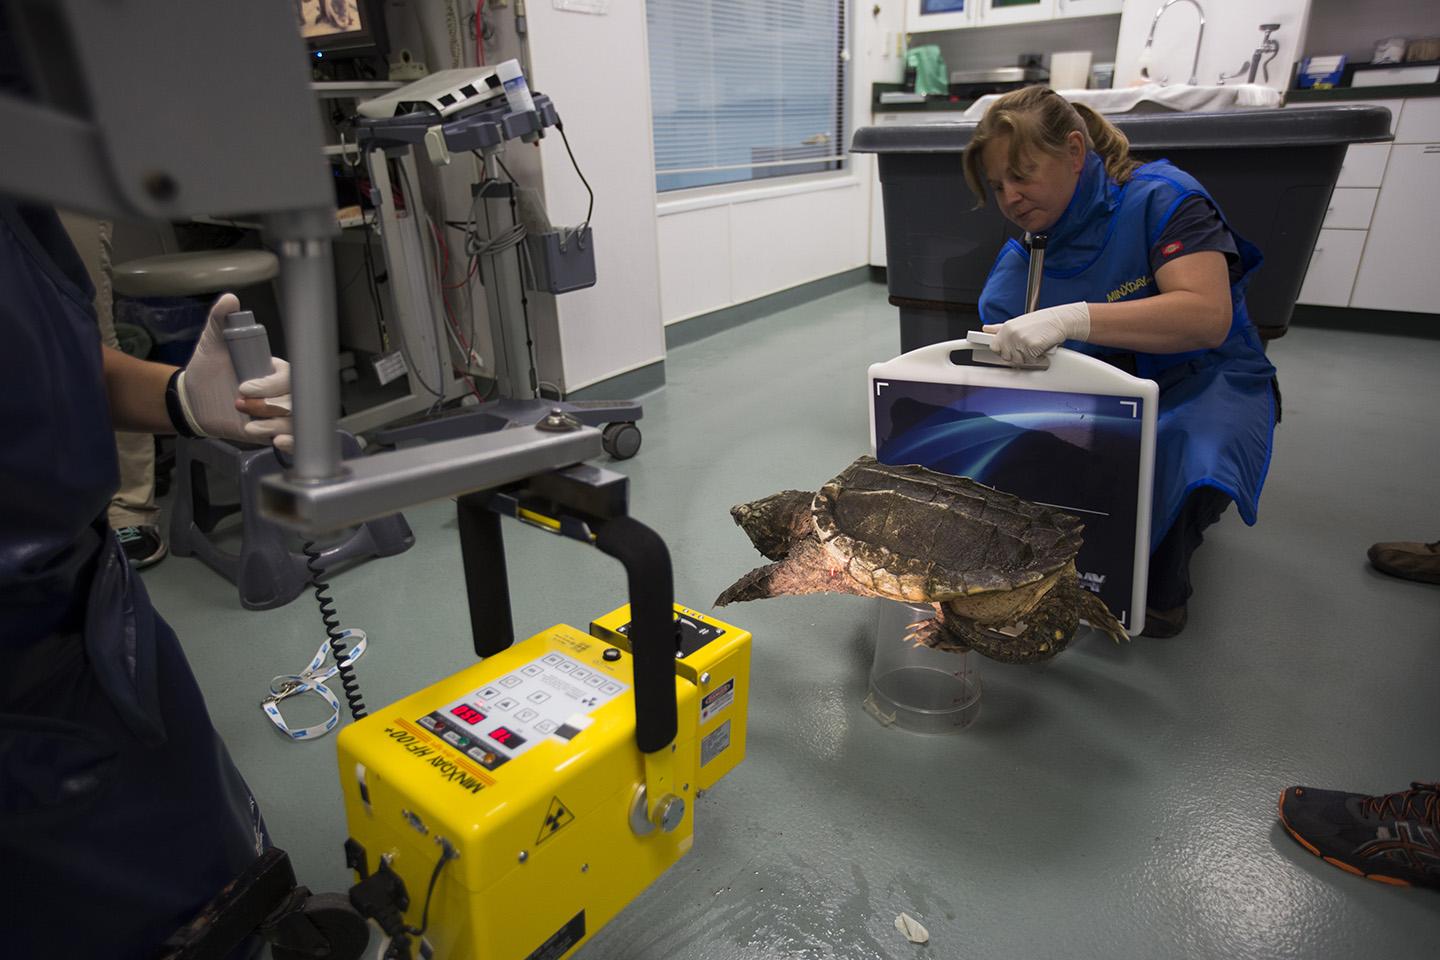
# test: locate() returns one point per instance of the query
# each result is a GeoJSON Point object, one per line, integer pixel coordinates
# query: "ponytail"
{"type": "Point", "coordinates": [1109, 142]}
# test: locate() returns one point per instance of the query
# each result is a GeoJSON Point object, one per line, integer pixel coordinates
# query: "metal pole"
{"type": "Point", "coordinates": [1035, 243]}
{"type": "Point", "coordinates": [307, 288]}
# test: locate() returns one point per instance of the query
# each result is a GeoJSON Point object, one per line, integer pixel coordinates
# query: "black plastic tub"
{"type": "Point", "coordinates": [1271, 171]}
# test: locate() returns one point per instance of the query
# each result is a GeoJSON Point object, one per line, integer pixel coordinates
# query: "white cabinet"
{"type": "Point", "coordinates": [1398, 271]}
{"type": "Point", "coordinates": [1377, 248]}
{"type": "Point", "coordinates": [1087, 8]}
{"type": "Point", "coordinates": [1350, 209]}
{"type": "Point", "coordinates": [1364, 165]}
{"type": "Point", "coordinates": [878, 256]}
{"type": "Point", "coordinates": [1014, 11]}
{"type": "Point", "coordinates": [1419, 122]}
{"type": "Point", "coordinates": [925, 15]}
{"type": "Point", "coordinates": [921, 15]}
{"type": "Point", "coordinates": [1332, 268]}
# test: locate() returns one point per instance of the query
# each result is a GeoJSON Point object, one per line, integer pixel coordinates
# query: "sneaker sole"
{"type": "Point", "coordinates": [1377, 877]}
{"type": "Point", "coordinates": [153, 559]}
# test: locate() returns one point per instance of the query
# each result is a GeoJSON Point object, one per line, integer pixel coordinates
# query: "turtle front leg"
{"type": "Point", "coordinates": [933, 632]}
{"type": "Point", "coordinates": [807, 569]}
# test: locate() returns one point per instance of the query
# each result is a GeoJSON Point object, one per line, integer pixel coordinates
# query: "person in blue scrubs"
{"type": "Point", "coordinates": [1141, 270]}
{"type": "Point", "coordinates": [121, 813]}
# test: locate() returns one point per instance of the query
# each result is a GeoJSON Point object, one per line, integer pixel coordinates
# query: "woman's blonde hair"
{"type": "Point", "coordinates": [1038, 118]}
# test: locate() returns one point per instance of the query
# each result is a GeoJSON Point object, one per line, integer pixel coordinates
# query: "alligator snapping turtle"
{"type": "Point", "coordinates": [1000, 571]}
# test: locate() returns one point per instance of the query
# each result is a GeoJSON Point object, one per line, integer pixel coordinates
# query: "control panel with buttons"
{"type": "Point", "coordinates": [502, 720]}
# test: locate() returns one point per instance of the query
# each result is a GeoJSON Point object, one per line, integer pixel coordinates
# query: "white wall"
{"type": "Point", "coordinates": [704, 250]}
{"type": "Point", "coordinates": [1231, 35]}
{"type": "Point", "coordinates": [597, 71]}
{"type": "Point", "coordinates": [722, 246]}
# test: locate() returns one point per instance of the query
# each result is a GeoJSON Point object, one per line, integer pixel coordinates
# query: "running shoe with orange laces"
{"type": "Point", "coordinates": [1393, 838]}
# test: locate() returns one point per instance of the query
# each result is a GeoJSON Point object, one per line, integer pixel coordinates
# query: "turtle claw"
{"type": "Point", "coordinates": [1098, 615]}
{"type": "Point", "coordinates": [931, 633]}
{"type": "Point", "coordinates": [923, 633]}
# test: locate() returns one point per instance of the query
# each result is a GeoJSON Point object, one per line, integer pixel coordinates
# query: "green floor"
{"type": "Point", "coordinates": [1117, 804]}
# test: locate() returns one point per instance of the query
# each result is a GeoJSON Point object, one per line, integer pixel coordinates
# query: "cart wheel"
{"type": "Point", "coordinates": [621, 440]}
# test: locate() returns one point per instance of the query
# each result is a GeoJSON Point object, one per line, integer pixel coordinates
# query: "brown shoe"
{"type": "Point", "coordinates": [1412, 561]}
{"type": "Point", "coordinates": [1163, 624]}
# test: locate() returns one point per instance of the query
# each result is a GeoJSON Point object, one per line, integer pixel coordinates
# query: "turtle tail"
{"type": "Point", "coordinates": [776, 522]}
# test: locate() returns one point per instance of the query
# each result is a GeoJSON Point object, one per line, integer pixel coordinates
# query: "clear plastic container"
{"type": "Point", "coordinates": [915, 687]}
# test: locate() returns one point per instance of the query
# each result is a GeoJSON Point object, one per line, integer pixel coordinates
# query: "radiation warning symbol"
{"type": "Point", "coordinates": [556, 817]}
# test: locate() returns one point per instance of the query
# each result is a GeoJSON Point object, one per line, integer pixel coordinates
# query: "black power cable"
{"type": "Point", "coordinates": [333, 632]}
{"type": "Point", "coordinates": [447, 853]}
{"type": "Point", "coordinates": [566, 140]}
{"type": "Point", "coordinates": [521, 254]}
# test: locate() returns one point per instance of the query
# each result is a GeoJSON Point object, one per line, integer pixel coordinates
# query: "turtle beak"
{"type": "Point", "coordinates": [774, 523]}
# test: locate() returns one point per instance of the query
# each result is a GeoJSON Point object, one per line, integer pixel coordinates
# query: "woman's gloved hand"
{"type": "Point", "coordinates": [1026, 338]}
{"type": "Point", "coordinates": [256, 411]}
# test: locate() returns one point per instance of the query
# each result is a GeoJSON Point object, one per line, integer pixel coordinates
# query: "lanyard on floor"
{"type": "Point", "coordinates": [311, 679]}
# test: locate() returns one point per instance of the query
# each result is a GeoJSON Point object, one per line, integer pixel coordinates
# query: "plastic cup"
{"type": "Point", "coordinates": [918, 688]}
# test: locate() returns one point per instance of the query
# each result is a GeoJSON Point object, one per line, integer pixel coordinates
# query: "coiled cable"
{"type": "Point", "coordinates": [333, 633]}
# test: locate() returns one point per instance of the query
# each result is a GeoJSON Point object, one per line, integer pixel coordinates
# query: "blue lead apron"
{"type": "Point", "coordinates": [121, 813]}
{"type": "Point", "coordinates": [1217, 407]}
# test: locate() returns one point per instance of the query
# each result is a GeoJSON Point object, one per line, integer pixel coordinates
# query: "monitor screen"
{"type": "Point", "coordinates": [325, 18]}
{"type": "Point", "coordinates": [1074, 451]}
{"type": "Point", "coordinates": [342, 27]}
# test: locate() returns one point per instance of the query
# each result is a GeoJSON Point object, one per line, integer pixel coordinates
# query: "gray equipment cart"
{"type": "Point", "coordinates": [551, 263]}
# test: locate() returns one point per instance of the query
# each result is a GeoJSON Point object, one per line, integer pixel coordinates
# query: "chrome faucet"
{"type": "Point", "coordinates": [1268, 45]}
{"type": "Point", "coordinates": [1150, 42]}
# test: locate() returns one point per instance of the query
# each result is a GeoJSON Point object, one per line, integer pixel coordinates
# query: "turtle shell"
{"type": "Point", "coordinates": [913, 534]}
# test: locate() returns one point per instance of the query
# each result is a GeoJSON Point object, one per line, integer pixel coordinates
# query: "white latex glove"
{"type": "Point", "coordinates": [213, 401]}
{"type": "Point", "coordinates": [1026, 338]}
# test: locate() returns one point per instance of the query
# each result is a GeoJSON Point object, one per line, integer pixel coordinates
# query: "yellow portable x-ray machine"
{"type": "Point", "coordinates": [524, 801]}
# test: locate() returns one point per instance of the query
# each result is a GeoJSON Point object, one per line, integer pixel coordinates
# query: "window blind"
{"type": "Point", "coordinates": [746, 89]}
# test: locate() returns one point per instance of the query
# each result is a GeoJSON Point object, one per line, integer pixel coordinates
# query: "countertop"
{"type": "Point", "coordinates": [953, 103]}
{"type": "Point", "coordinates": [1364, 93]}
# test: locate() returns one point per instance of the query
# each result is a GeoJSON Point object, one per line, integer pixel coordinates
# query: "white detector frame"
{"type": "Point", "coordinates": [1066, 372]}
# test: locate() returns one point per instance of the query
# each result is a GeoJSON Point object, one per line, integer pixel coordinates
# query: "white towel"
{"type": "Point", "coordinates": [1153, 96]}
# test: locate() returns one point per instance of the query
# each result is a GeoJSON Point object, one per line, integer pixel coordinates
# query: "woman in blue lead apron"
{"type": "Point", "coordinates": [1141, 270]}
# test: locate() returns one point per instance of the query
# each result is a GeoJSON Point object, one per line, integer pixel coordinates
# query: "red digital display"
{"type": "Point", "coordinates": [468, 713]}
{"type": "Point", "coordinates": [506, 737]}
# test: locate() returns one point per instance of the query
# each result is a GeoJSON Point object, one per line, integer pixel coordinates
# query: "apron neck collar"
{"type": "Point", "coordinates": [1093, 200]}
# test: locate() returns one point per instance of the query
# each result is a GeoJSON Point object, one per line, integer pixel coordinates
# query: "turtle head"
{"type": "Point", "coordinates": [775, 523]}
